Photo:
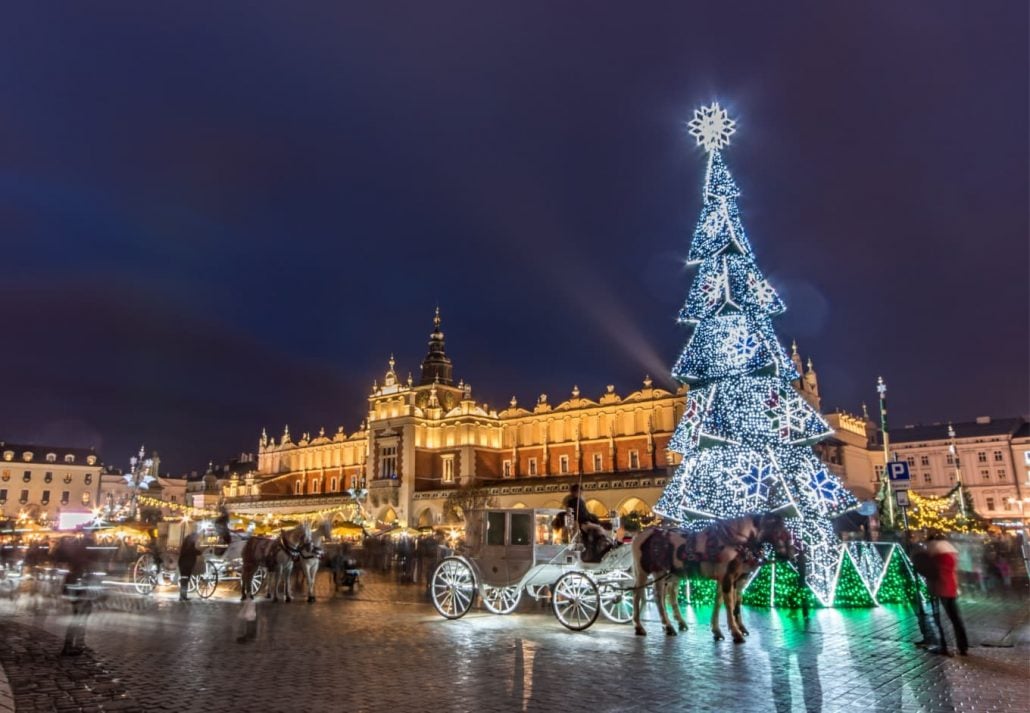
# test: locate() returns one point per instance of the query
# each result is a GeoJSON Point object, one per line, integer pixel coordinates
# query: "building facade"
{"type": "Point", "coordinates": [41, 481]}
{"type": "Point", "coordinates": [989, 457]}
{"type": "Point", "coordinates": [427, 446]}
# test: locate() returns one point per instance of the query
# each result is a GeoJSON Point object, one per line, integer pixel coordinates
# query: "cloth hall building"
{"type": "Point", "coordinates": [428, 449]}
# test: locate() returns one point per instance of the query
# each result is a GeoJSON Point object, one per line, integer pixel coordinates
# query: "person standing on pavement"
{"type": "Point", "coordinates": [944, 588]}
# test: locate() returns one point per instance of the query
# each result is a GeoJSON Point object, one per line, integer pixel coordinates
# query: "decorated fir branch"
{"type": "Point", "coordinates": [746, 434]}
{"type": "Point", "coordinates": [943, 513]}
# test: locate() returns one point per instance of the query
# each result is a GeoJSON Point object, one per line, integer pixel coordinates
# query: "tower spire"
{"type": "Point", "coordinates": [437, 365]}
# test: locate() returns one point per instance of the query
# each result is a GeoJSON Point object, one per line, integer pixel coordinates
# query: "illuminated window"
{"type": "Point", "coordinates": [51, 457]}
{"type": "Point", "coordinates": [69, 458]}
{"type": "Point", "coordinates": [26, 456]}
{"type": "Point", "coordinates": [9, 455]}
{"type": "Point", "coordinates": [388, 462]}
{"type": "Point", "coordinates": [532, 466]}
{"type": "Point", "coordinates": [85, 498]}
{"type": "Point", "coordinates": [506, 468]}
{"type": "Point", "coordinates": [598, 462]}
{"type": "Point", "coordinates": [448, 469]}
{"type": "Point", "coordinates": [563, 464]}
{"type": "Point", "coordinates": [634, 460]}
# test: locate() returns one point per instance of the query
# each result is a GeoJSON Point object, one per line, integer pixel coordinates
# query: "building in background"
{"type": "Point", "coordinates": [991, 460]}
{"type": "Point", "coordinates": [428, 446]}
{"type": "Point", "coordinates": [41, 482]}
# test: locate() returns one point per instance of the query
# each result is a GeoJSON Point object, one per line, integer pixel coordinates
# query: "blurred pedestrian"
{"type": "Point", "coordinates": [944, 588]}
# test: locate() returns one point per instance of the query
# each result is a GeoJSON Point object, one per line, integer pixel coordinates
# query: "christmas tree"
{"type": "Point", "coordinates": [746, 434]}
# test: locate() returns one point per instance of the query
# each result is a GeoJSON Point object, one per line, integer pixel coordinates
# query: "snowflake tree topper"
{"type": "Point", "coordinates": [712, 127]}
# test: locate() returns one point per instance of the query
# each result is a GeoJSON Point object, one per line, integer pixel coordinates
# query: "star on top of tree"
{"type": "Point", "coordinates": [712, 127]}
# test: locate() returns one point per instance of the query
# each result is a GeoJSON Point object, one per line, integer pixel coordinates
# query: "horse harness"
{"type": "Point", "coordinates": [294, 553]}
{"type": "Point", "coordinates": [661, 553]}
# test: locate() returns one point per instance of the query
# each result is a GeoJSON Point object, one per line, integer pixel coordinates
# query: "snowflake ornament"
{"type": "Point", "coordinates": [825, 486]}
{"type": "Point", "coordinates": [712, 127]}
{"type": "Point", "coordinates": [713, 224]}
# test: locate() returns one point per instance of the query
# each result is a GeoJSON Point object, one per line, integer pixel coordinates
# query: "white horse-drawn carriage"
{"type": "Point", "coordinates": [511, 551]}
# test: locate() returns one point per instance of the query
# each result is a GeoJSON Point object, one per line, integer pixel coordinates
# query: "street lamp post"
{"type": "Point", "coordinates": [138, 477]}
{"type": "Point", "coordinates": [881, 389]}
{"type": "Point", "coordinates": [953, 450]}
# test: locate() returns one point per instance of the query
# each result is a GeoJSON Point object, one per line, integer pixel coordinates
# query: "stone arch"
{"type": "Point", "coordinates": [634, 504]}
{"type": "Point", "coordinates": [552, 504]}
{"type": "Point", "coordinates": [387, 515]}
{"type": "Point", "coordinates": [596, 507]}
{"type": "Point", "coordinates": [425, 518]}
{"type": "Point", "coordinates": [520, 505]}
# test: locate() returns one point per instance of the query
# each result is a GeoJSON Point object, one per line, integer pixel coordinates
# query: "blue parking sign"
{"type": "Point", "coordinates": [897, 470]}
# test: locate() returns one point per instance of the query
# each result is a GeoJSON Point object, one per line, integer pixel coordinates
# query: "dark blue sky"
{"type": "Point", "coordinates": [216, 217]}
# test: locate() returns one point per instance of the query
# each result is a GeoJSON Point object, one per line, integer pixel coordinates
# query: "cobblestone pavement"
{"type": "Point", "coordinates": [386, 649]}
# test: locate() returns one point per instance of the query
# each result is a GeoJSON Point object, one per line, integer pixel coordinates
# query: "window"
{"type": "Point", "coordinates": [448, 469]}
{"type": "Point", "coordinates": [532, 466]}
{"type": "Point", "coordinates": [26, 476]}
{"type": "Point", "coordinates": [911, 460]}
{"type": "Point", "coordinates": [85, 498]}
{"type": "Point", "coordinates": [951, 476]}
{"type": "Point", "coordinates": [388, 463]}
{"type": "Point", "coordinates": [990, 503]}
{"type": "Point", "coordinates": [3, 495]}
{"type": "Point", "coordinates": [48, 477]}
{"type": "Point", "coordinates": [9, 455]}
{"type": "Point", "coordinates": [333, 483]}
{"type": "Point", "coordinates": [51, 457]}
{"type": "Point", "coordinates": [563, 464]}
{"type": "Point", "coordinates": [316, 486]}
{"type": "Point", "coordinates": [981, 456]}
{"type": "Point", "coordinates": [26, 456]}
{"type": "Point", "coordinates": [65, 497]}
{"type": "Point", "coordinates": [998, 457]}
{"type": "Point", "coordinates": [69, 458]}
{"type": "Point", "coordinates": [91, 460]}
{"type": "Point", "coordinates": [878, 471]}
{"type": "Point", "coordinates": [1008, 504]}
{"type": "Point", "coordinates": [298, 487]}
{"type": "Point", "coordinates": [46, 497]}
{"type": "Point", "coordinates": [521, 528]}
{"type": "Point", "coordinates": [634, 460]}
{"type": "Point", "coordinates": [506, 469]}
{"type": "Point", "coordinates": [951, 459]}
{"type": "Point", "coordinates": [67, 478]}
{"type": "Point", "coordinates": [985, 474]}
{"type": "Point", "coordinates": [89, 478]}
{"type": "Point", "coordinates": [495, 528]}
{"type": "Point", "coordinates": [927, 478]}
{"type": "Point", "coordinates": [24, 497]}
{"type": "Point", "coordinates": [924, 460]}
{"type": "Point", "coordinates": [6, 476]}
{"type": "Point", "coordinates": [1001, 473]}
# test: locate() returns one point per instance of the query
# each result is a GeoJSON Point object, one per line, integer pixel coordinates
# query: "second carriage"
{"type": "Point", "coordinates": [509, 552]}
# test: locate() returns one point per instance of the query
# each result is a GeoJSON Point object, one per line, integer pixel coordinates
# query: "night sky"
{"type": "Point", "coordinates": [216, 217]}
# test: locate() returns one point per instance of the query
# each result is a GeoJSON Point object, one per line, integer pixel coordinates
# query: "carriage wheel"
{"type": "Point", "coordinates": [453, 588]}
{"type": "Point", "coordinates": [144, 574]}
{"type": "Point", "coordinates": [576, 601]}
{"type": "Point", "coordinates": [616, 592]}
{"type": "Point", "coordinates": [206, 582]}
{"type": "Point", "coordinates": [501, 600]}
{"type": "Point", "coordinates": [256, 580]}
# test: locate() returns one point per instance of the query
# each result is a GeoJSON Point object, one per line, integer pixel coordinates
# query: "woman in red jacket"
{"type": "Point", "coordinates": [944, 588]}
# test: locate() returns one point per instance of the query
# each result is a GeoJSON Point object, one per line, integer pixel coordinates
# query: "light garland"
{"type": "Point", "coordinates": [942, 513]}
{"type": "Point", "coordinates": [746, 433]}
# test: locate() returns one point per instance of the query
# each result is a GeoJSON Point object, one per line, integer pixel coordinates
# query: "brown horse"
{"type": "Point", "coordinates": [726, 551]}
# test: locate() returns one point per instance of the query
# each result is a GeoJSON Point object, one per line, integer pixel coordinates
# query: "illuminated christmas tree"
{"type": "Point", "coordinates": [746, 434]}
